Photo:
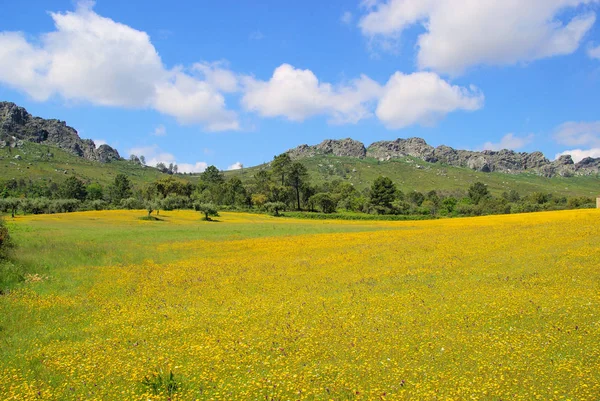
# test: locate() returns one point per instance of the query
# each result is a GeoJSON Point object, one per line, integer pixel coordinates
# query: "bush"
{"type": "Point", "coordinates": [10, 205]}
{"type": "Point", "coordinates": [63, 205]}
{"type": "Point", "coordinates": [323, 202]}
{"type": "Point", "coordinates": [5, 240]}
{"type": "Point", "coordinates": [275, 207]}
{"type": "Point", "coordinates": [208, 209]}
{"type": "Point", "coordinates": [173, 202]}
{"type": "Point", "coordinates": [132, 203]}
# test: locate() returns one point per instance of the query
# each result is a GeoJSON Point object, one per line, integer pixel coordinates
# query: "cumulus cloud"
{"type": "Point", "coordinates": [94, 59]}
{"type": "Point", "coordinates": [154, 155]}
{"type": "Point", "coordinates": [580, 154]}
{"type": "Point", "coordinates": [594, 52]}
{"type": "Point", "coordinates": [463, 33]}
{"type": "Point", "coordinates": [236, 166]}
{"type": "Point", "coordinates": [509, 141]}
{"type": "Point", "coordinates": [579, 134]}
{"type": "Point", "coordinates": [297, 94]}
{"type": "Point", "coordinates": [423, 98]}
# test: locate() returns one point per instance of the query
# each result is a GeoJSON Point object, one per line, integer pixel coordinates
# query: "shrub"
{"type": "Point", "coordinates": [208, 209]}
{"type": "Point", "coordinates": [275, 207]}
{"type": "Point", "coordinates": [132, 203]}
{"type": "Point", "coordinates": [5, 240]}
{"type": "Point", "coordinates": [323, 202]}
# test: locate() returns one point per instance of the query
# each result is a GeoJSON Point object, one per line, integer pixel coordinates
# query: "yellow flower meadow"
{"type": "Point", "coordinates": [490, 308]}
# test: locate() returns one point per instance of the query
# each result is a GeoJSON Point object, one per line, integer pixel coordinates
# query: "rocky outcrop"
{"type": "Point", "coordinates": [504, 161]}
{"type": "Point", "coordinates": [343, 147]}
{"type": "Point", "coordinates": [16, 124]}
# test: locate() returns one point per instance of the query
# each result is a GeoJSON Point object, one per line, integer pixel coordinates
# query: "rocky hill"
{"type": "Point", "coordinates": [504, 161]}
{"type": "Point", "coordinates": [17, 125]}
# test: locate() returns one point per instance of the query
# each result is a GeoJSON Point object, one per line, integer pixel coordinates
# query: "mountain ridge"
{"type": "Point", "coordinates": [17, 124]}
{"type": "Point", "coordinates": [486, 161]}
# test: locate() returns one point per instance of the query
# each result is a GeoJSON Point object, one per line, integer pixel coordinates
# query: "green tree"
{"type": "Point", "coordinates": [73, 188]}
{"type": "Point", "coordinates": [281, 166]}
{"type": "Point", "coordinates": [297, 176]}
{"type": "Point", "coordinates": [120, 189]}
{"type": "Point", "coordinates": [212, 175]}
{"type": "Point", "coordinates": [95, 191]}
{"type": "Point", "coordinates": [478, 191]}
{"type": "Point", "coordinates": [382, 194]}
{"type": "Point", "coordinates": [208, 209]}
{"type": "Point", "coordinates": [324, 202]}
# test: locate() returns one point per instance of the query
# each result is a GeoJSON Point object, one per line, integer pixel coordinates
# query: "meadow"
{"type": "Point", "coordinates": [257, 307]}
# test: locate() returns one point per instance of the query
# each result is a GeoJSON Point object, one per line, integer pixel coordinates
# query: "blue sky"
{"type": "Point", "coordinates": [200, 83]}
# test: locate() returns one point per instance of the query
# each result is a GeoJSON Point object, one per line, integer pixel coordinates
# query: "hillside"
{"type": "Point", "coordinates": [33, 161]}
{"type": "Point", "coordinates": [412, 174]}
{"type": "Point", "coordinates": [32, 148]}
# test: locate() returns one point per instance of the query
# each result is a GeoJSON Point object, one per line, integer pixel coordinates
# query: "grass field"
{"type": "Point", "coordinates": [256, 307]}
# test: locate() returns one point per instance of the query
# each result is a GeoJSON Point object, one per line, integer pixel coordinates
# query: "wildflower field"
{"type": "Point", "coordinates": [259, 308]}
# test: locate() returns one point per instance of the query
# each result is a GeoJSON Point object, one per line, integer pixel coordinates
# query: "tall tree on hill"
{"type": "Point", "coordinates": [281, 166]}
{"type": "Point", "coordinates": [382, 194]}
{"type": "Point", "coordinates": [120, 189]}
{"type": "Point", "coordinates": [478, 191]}
{"type": "Point", "coordinates": [73, 188]}
{"type": "Point", "coordinates": [212, 175]}
{"type": "Point", "coordinates": [297, 176]}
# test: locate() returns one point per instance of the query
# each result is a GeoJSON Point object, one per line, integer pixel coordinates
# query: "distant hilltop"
{"type": "Point", "coordinates": [17, 125]}
{"type": "Point", "coordinates": [504, 161]}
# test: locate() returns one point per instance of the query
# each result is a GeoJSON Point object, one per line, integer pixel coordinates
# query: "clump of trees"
{"type": "Point", "coordinates": [283, 186]}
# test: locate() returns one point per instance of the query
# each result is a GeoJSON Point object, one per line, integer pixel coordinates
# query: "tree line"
{"type": "Point", "coordinates": [285, 186]}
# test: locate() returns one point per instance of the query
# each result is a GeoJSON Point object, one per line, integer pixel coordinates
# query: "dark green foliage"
{"type": "Point", "coordinates": [478, 191]}
{"type": "Point", "coordinates": [323, 202]}
{"type": "Point", "coordinates": [5, 241]}
{"type": "Point", "coordinates": [212, 175]}
{"type": "Point", "coordinates": [416, 198]}
{"type": "Point", "coordinates": [120, 189]}
{"type": "Point", "coordinates": [73, 188]}
{"type": "Point", "coordinates": [382, 194]}
{"type": "Point", "coordinates": [281, 166]}
{"type": "Point", "coordinates": [297, 176]}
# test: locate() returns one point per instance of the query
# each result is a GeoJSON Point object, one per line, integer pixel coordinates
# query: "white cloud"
{"type": "Point", "coordinates": [594, 52]}
{"type": "Point", "coordinates": [197, 167]}
{"type": "Point", "coordinates": [297, 94]}
{"type": "Point", "coordinates": [99, 142]}
{"type": "Point", "coordinates": [423, 98]}
{"type": "Point", "coordinates": [509, 141]}
{"type": "Point", "coordinates": [346, 18]}
{"type": "Point", "coordinates": [236, 166]}
{"type": "Point", "coordinates": [580, 154]}
{"type": "Point", "coordinates": [463, 33]}
{"type": "Point", "coordinates": [160, 131]}
{"type": "Point", "coordinates": [154, 155]}
{"type": "Point", "coordinates": [193, 101]}
{"type": "Point", "coordinates": [94, 59]}
{"type": "Point", "coordinates": [579, 134]}
{"type": "Point", "coordinates": [218, 75]}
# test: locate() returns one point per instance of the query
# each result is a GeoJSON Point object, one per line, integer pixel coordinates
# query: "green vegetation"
{"type": "Point", "coordinates": [403, 187]}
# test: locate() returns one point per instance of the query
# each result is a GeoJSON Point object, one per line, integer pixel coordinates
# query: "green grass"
{"type": "Point", "coordinates": [35, 165]}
